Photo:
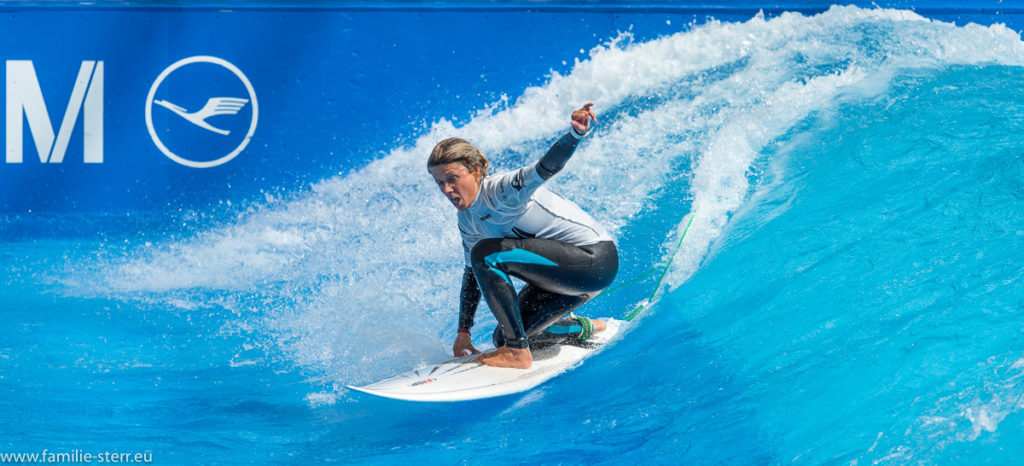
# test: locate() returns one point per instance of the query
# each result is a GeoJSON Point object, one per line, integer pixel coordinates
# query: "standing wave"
{"type": "Point", "coordinates": [357, 277]}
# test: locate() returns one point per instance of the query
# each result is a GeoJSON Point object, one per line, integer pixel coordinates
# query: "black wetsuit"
{"type": "Point", "coordinates": [517, 228]}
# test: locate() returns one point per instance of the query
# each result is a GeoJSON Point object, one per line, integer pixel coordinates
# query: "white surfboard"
{"type": "Point", "coordinates": [463, 378]}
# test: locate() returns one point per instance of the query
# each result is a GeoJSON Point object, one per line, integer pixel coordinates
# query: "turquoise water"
{"type": "Point", "coordinates": [849, 291]}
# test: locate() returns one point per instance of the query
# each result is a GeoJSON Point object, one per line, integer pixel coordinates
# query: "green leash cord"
{"type": "Point", "coordinates": [643, 305]}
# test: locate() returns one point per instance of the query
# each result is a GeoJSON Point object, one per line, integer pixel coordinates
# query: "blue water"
{"type": "Point", "coordinates": [849, 292]}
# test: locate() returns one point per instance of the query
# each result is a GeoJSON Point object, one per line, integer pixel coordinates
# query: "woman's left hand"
{"type": "Point", "coordinates": [581, 119]}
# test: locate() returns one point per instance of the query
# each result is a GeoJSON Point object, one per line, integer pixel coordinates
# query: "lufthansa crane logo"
{"type": "Point", "coordinates": [206, 111]}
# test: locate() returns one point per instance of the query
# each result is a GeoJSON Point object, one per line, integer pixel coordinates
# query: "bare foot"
{"type": "Point", "coordinates": [518, 358]}
{"type": "Point", "coordinates": [599, 325]}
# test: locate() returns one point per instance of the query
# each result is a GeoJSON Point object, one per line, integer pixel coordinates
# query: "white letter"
{"type": "Point", "coordinates": [25, 96]}
{"type": "Point", "coordinates": [92, 125]}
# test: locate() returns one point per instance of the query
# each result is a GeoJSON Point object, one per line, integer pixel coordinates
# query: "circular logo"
{"type": "Point", "coordinates": [202, 110]}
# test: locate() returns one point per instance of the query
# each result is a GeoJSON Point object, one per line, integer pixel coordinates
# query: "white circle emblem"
{"type": "Point", "coordinates": [149, 111]}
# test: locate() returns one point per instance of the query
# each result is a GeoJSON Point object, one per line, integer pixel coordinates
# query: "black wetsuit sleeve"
{"type": "Point", "coordinates": [470, 298]}
{"type": "Point", "coordinates": [557, 155]}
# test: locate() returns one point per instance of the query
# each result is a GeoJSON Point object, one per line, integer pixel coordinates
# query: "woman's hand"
{"type": "Point", "coordinates": [463, 345]}
{"type": "Point", "coordinates": [581, 119]}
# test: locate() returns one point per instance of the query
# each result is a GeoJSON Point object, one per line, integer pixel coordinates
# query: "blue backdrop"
{"type": "Point", "coordinates": [329, 81]}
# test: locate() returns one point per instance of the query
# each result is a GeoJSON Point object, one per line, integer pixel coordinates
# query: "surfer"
{"type": "Point", "coordinates": [512, 226]}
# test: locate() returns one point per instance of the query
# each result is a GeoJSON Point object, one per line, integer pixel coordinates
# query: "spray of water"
{"type": "Point", "coordinates": [358, 277]}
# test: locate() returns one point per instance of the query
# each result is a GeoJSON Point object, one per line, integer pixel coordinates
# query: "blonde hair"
{"type": "Point", "coordinates": [456, 150]}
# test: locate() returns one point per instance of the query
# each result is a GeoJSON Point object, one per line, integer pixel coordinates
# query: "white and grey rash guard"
{"type": "Point", "coordinates": [516, 205]}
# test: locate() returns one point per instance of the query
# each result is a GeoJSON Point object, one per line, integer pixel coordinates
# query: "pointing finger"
{"type": "Point", "coordinates": [590, 112]}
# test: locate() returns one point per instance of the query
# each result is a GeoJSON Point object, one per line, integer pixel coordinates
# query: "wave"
{"type": "Point", "coordinates": [358, 276]}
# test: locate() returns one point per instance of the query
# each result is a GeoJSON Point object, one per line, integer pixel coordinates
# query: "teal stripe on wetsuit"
{"type": "Point", "coordinates": [516, 255]}
{"type": "Point", "coordinates": [565, 329]}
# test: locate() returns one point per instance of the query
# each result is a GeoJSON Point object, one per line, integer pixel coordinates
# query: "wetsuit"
{"type": "Point", "coordinates": [517, 228]}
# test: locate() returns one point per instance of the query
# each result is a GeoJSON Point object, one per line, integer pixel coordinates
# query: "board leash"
{"type": "Point", "coordinates": [643, 304]}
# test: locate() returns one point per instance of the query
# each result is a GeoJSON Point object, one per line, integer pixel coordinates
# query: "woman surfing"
{"type": "Point", "coordinates": [512, 226]}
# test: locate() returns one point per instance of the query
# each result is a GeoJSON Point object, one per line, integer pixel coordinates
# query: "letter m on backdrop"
{"type": "Point", "coordinates": [24, 97]}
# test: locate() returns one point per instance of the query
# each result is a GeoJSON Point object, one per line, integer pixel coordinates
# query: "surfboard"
{"type": "Point", "coordinates": [462, 379]}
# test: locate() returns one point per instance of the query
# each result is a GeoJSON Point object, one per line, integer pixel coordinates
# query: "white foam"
{"type": "Point", "coordinates": [969, 413]}
{"type": "Point", "coordinates": [856, 52]}
{"type": "Point", "coordinates": [359, 276]}
{"type": "Point", "coordinates": [316, 400]}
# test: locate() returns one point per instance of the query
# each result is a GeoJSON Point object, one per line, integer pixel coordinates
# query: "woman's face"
{"type": "Point", "coordinates": [457, 183]}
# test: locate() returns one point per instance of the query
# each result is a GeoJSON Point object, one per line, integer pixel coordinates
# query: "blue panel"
{"type": "Point", "coordinates": [336, 85]}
